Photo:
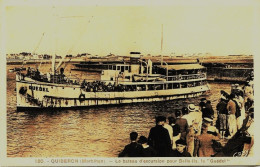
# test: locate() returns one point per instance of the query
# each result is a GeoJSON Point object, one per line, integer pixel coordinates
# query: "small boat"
{"type": "Point", "coordinates": [120, 83]}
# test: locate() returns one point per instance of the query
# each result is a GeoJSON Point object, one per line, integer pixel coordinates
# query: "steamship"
{"type": "Point", "coordinates": [120, 83]}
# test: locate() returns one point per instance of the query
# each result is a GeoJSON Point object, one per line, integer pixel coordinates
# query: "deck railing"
{"type": "Point", "coordinates": [186, 77]}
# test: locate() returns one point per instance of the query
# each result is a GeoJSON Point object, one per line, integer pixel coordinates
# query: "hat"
{"type": "Point", "coordinates": [180, 141]}
{"type": "Point", "coordinates": [211, 129]}
{"type": "Point", "coordinates": [251, 110]}
{"type": "Point", "coordinates": [203, 99]}
{"type": "Point", "coordinates": [142, 140]}
{"type": "Point", "coordinates": [160, 118]}
{"type": "Point", "coordinates": [191, 107]}
{"type": "Point", "coordinates": [223, 97]}
{"type": "Point", "coordinates": [184, 110]}
{"type": "Point", "coordinates": [206, 119]}
{"type": "Point", "coordinates": [178, 113]}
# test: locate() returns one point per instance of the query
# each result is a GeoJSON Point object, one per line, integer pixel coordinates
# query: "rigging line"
{"type": "Point", "coordinates": [70, 50]}
{"type": "Point", "coordinates": [37, 46]}
{"type": "Point", "coordinates": [80, 36]}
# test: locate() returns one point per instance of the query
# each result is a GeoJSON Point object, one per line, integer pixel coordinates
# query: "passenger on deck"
{"type": "Point", "coordinates": [29, 72]}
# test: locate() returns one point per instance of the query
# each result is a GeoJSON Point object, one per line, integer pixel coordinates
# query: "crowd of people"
{"type": "Point", "coordinates": [99, 86]}
{"type": "Point", "coordinates": [199, 131]}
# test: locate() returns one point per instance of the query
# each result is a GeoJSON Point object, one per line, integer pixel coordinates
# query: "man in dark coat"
{"type": "Point", "coordinates": [133, 149]}
{"type": "Point", "coordinates": [147, 151]}
{"type": "Point", "coordinates": [208, 111]}
{"type": "Point", "coordinates": [181, 149]}
{"type": "Point", "coordinates": [159, 138]}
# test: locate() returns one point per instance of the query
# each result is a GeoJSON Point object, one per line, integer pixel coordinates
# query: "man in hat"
{"type": "Point", "coordinates": [159, 138]}
{"type": "Point", "coordinates": [147, 150]}
{"type": "Point", "coordinates": [194, 115]}
{"type": "Point", "coordinates": [133, 149]}
{"type": "Point", "coordinates": [202, 106]}
{"type": "Point", "coordinates": [212, 129]}
{"type": "Point", "coordinates": [208, 112]}
{"type": "Point", "coordinates": [181, 149]}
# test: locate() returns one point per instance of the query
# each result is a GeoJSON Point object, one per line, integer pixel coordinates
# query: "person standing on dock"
{"type": "Point", "coordinates": [169, 128]}
{"type": "Point", "coordinates": [222, 115]}
{"type": "Point", "coordinates": [202, 106]}
{"type": "Point", "coordinates": [232, 122]}
{"type": "Point", "coordinates": [209, 112]}
{"type": "Point", "coordinates": [147, 150]}
{"type": "Point", "coordinates": [182, 122]}
{"type": "Point", "coordinates": [159, 138]}
{"type": "Point", "coordinates": [249, 91]}
{"type": "Point", "coordinates": [181, 149]}
{"type": "Point", "coordinates": [204, 143]}
{"type": "Point", "coordinates": [176, 131]}
{"type": "Point", "coordinates": [133, 149]}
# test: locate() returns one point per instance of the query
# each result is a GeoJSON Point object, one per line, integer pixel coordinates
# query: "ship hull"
{"type": "Point", "coordinates": [37, 95]}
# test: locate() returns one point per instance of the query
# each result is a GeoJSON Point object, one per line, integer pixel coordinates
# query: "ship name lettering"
{"type": "Point", "coordinates": [37, 88]}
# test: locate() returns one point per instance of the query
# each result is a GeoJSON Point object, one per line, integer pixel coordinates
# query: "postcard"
{"type": "Point", "coordinates": [129, 83]}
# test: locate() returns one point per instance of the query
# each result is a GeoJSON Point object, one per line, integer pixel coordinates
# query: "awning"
{"type": "Point", "coordinates": [183, 66]}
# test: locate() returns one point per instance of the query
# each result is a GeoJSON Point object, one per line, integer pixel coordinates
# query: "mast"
{"type": "Point", "coordinates": [53, 63]}
{"type": "Point", "coordinates": [162, 40]}
{"type": "Point", "coordinates": [55, 40]}
{"type": "Point", "coordinates": [162, 45]}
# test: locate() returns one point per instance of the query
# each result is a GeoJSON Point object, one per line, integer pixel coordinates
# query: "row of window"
{"type": "Point", "coordinates": [120, 68]}
{"type": "Point", "coordinates": [161, 86]}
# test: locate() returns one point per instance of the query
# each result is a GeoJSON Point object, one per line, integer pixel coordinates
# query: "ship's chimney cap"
{"type": "Point", "coordinates": [135, 53]}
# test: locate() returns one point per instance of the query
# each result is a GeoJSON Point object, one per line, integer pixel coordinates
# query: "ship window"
{"type": "Point", "coordinates": [118, 68]}
{"type": "Point", "coordinates": [122, 69]}
{"type": "Point", "coordinates": [114, 67]}
{"type": "Point", "coordinates": [111, 78]}
{"type": "Point", "coordinates": [158, 87]}
{"type": "Point", "coordinates": [110, 67]}
{"type": "Point", "coordinates": [176, 85]}
{"type": "Point", "coordinates": [126, 68]}
{"type": "Point", "coordinates": [184, 85]}
{"type": "Point", "coordinates": [129, 68]}
{"type": "Point", "coordinates": [170, 86]}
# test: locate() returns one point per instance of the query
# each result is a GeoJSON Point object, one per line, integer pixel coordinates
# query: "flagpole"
{"type": "Point", "coordinates": [162, 45]}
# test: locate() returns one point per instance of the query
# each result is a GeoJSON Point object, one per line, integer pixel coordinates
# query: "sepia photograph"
{"type": "Point", "coordinates": [129, 83]}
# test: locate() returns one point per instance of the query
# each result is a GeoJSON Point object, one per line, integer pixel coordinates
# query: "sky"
{"type": "Point", "coordinates": [218, 27]}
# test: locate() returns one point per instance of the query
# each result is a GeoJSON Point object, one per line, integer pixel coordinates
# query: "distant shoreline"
{"type": "Point", "coordinates": [211, 59]}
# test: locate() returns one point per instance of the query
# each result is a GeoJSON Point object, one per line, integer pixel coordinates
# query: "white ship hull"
{"type": "Point", "coordinates": [40, 95]}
